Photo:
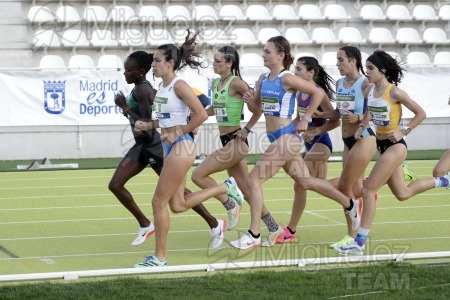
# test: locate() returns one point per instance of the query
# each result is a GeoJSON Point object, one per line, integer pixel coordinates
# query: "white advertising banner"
{"type": "Point", "coordinates": [69, 97]}
{"type": "Point", "coordinates": [61, 97]}
{"type": "Point", "coordinates": [86, 96]}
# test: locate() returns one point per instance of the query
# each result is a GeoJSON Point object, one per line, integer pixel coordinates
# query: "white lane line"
{"type": "Point", "coordinates": [65, 197]}
{"type": "Point", "coordinates": [224, 247]}
{"type": "Point", "coordinates": [183, 216]}
{"type": "Point", "coordinates": [429, 165]}
{"type": "Point", "coordinates": [200, 230]}
{"type": "Point", "coordinates": [119, 205]}
{"type": "Point", "coordinates": [433, 286]}
{"type": "Point", "coordinates": [322, 217]}
{"type": "Point", "coordinates": [53, 187]}
{"type": "Point", "coordinates": [64, 178]}
{"type": "Point", "coordinates": [357, 295]}
{"type": "Point", "coordinates": [108, 177]}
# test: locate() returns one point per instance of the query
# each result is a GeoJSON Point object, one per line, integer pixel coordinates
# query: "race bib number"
{"type": "Point", "coordinates": [220, 110]}
{"type": "Point", "coordinates": [270, 105]}
{"type": "Point", "coordinates": [302, 111]}
{"type": "Point", "coordinates": [161, 108]}
{"type": "Point", "coordinates": [345, 103]}
{"type": "Point", "coordinates": [380, 115]}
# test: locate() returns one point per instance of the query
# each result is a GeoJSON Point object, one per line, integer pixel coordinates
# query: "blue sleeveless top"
{"type": "Point", "coordinates": [274, 99]}
{"type": "Point", "coordinates": [351, 99]}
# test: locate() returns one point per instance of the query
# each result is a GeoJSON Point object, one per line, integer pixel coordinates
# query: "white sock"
{"type": "Point", "coordinates": [437, 182]}
{"type": "Point", "coordinates": [363, 230]}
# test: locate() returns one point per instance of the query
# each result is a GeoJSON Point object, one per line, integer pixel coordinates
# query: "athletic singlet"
{"type": "Point", "coordinates": [134, 105]}
{"type": "Point", "coordinates": [170, 109]}
{"type": "Point", "coordinates": [302, 107]}
{"type": "Point", "coordinates": [385, 113]}
{"type": "Point", "coordinates": [275, 100]}
{"type": "Point", "coordinates": [228, 110]}
{"type": "Point", "coordinates": [351, 99]}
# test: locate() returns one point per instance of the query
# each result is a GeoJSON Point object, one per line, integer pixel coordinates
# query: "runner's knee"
{"type": "Point", "coordinates": [176, 208]}
{"type": "Point", "coordinates": [401, 195]}
{"type": "Point", "coordinates": [114, 186]}
{"type": "Point", "coordinates": [196, 177]}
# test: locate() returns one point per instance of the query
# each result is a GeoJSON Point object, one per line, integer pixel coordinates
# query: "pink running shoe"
{"type": "Point", "coordinates": [287, 236]}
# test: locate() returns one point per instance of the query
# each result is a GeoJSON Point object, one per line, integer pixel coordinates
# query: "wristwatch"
{"type": "Point", "coordinates": [405, 130]}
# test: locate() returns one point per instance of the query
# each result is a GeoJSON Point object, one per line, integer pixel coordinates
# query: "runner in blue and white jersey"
{"type": "Point", "coordinates": [276, 94]}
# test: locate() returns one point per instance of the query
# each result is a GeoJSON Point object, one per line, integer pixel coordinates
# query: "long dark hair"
{"type": "Point", "coordinates": [282, 45]}
{"type": "Point", "coordinates": [186, 55]}
{"type": "Point", "coordinates": [388, 65]}
{"type": "Point", "coordinates": [353, 52]}
{"type": "Point", "coordinates": [230, 54]}
{"type": "Point", "coordinates": [321, 77]}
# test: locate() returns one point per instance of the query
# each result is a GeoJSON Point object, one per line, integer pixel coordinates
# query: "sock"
{"type": "Point", "coordinates": [291, 231]}
{"type": "Point", "coordinates": [362, 236]}
{"type": "Point", "coordinates": [351, 205]}
{"type": "Point", "coordinates": [270, 222]}
{"type": "Point", "coordinates": [440, 182]}
{"type": "Point", "coordinates": [229, 204]}
{"type": "Point", "coordinates": [253, 235]}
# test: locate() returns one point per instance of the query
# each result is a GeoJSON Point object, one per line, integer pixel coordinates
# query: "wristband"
{"type": "Point", "coordinates": [405, 130]}
{"type": "Point", "coordinates": [361, 125]}
{"type": "Point", "coordinates": [248, 130]}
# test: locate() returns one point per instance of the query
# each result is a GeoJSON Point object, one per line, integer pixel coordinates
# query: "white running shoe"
{"type": "Point", "coordinates": [355, 214]}
{"type": "Point", "coordinates": [246, 242]}
{"type": "Point", "coordinates": [143, 234]}
{"type": "Point", "coordinates": [351, 248]}
{"type": "Point", "coordinates": [218, 233]}
{"type": "Point", "coordinates": [273, 236]}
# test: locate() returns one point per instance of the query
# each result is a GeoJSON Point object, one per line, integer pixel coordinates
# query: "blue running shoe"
{"type": "Point", "coordinates": [151, 261]}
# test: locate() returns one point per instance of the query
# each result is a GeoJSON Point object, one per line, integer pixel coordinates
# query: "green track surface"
{"type": "Point", "coordinates": [67, 220]}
